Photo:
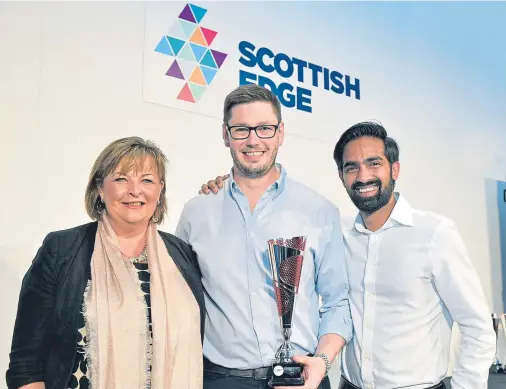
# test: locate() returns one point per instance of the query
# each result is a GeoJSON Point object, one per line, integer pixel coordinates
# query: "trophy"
{"type": "Point", "coordinates": [497, 367]}
{"type": "Point", "coordinates": [286, 257]}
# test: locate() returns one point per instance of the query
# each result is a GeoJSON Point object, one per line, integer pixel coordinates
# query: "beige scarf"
{"type": "Point", "coordinates": [119, 348]}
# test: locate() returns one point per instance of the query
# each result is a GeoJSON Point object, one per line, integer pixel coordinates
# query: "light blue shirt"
{"type": "Point", "coordinates": [242, 325]}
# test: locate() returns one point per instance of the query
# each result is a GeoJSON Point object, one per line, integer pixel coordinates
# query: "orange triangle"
{"type": "Point", "coordinates": [197, 77]}
{"type": "Point", "coordinates": [186, 94]}
{"type": "Point", "coordinates": [198, 38]}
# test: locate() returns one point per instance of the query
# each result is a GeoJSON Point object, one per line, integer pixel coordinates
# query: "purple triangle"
{"type": "Point", "coordinates": [187, 14]}
{"type": "Point", "coordinates": [219, 57]}
{"type": "Point", "coordinates": [175, 71]}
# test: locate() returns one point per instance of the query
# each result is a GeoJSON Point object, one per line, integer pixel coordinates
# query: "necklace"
{"type": "Point", "coordinates": [141, 258]}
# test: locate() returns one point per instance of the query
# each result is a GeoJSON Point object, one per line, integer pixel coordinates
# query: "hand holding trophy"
{"type": "Point", "coordinates": [286, 258]}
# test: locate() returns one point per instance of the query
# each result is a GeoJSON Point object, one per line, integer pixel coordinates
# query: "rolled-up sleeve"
{"type": "Point", "coordinates": [30, 336]}
{"type": "Point", "coordinates": [332, 282]}
{"type": "Point", "coordinates": [458, 285]}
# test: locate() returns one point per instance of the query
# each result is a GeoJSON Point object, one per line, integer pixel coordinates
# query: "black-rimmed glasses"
{"type": "Point", "coordinates": [264, 131]}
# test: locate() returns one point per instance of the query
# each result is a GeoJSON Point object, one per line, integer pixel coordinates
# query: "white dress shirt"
{"type": "Point", "coordinates": [409, 281]}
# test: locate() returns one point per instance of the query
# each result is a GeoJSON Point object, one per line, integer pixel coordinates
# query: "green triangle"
{"type": "Point", "coordinates": [187, 27]}
{"type": "Point", "coordinates": [186, 53]}
{"type": "Point", "coordinates": [197, 90]}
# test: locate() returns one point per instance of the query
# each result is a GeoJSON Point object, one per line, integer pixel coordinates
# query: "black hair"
{"type": "Point", "coordinates": [371, 129]}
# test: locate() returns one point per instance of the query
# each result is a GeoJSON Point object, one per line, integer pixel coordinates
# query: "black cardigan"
{"type": "Point", "coordinates": [45, 334]}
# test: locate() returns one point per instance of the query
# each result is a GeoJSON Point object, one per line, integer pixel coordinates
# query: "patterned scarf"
{"type": "Point", "coordinates": [119, 347]}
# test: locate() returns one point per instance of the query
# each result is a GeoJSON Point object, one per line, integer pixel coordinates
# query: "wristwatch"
{"type": "Point", "coordinates": [327, 362]}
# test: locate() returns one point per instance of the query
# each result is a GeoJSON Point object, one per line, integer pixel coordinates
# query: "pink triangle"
{"type": "Point", "coordinates": [209, 35]}
{"type": "Point", "coordinates": [175, 71]}
{"type": "Point", "coordinates": [186, 94]}
{"type": "Point", "coordinates": [187, 14]}
{"type": "Point", "coordinates": [219, 57]}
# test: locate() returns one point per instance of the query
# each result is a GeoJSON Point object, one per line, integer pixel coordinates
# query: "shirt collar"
{"type": "Point", "coordinates": [402, 214]}
{"type": "Point", "coordinates": [277, 186]}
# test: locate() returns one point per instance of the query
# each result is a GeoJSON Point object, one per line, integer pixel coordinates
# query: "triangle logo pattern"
{"type": "Point", "coordinates": [219, 57]}
{"type": "Point", "coordinates": [186, 53]}
{"type": "Point", "coordinates": [187, 28]}
{"type": "Point", "coordinates": [163, 47]}
{"type": "Point", "coordinates": [198, 37]}
{"type": "Point", "coordinates": [187, 67]}
{"type": "Point", "coordinates": [197, 77]}
{"type": "Point", "coordinates": [198, 12]}
{"type": "Point", "coordinates": [195, 62]}
{"type": "Point", "coordinates": [176, 31]}
{"type": "Point", "coordinates": [198, 51]}
{"type": "Point", "coordinates": [176, 44]}
{"type": "Point", "coordinates": [186, 94]}
{"type": "Point", "coordinates": [209, 35]}
{"type": "Point", "coordinates": [187, 14]}
{"type": "Point", "coordinates": [175, 71]}
{"type": "Point", "coordinates": [208, 73]}
{"type": "Point", "coordinates": [197, 91]}
{"type": "Point", "coordinates": [208, 60]}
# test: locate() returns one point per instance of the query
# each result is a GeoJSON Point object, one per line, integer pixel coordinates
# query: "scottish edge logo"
{"type": "Point", "coordinates": [197, 64]}
{"type": "Point", "coordinates": [194, 61]}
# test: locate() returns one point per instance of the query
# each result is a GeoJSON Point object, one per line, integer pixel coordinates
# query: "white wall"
{"type": "Point", "coordinates": [71, 80]}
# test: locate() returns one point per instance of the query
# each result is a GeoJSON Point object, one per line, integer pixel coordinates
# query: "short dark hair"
{"type": "Point", "coordinates": [359, 130]}
{"type": "Point", "coordinates": [248, 94]}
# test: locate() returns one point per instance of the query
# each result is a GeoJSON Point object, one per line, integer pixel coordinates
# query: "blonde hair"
{"type": "Point", "coordinates": [131, 153]}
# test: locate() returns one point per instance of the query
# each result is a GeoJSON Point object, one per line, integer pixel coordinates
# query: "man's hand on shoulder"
{"type": "Point", "coordinates": [213, 185]}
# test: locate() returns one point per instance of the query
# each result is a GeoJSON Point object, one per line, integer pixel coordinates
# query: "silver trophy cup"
{"type": "Point", "coordinates": [286, 258]}
{"type": "Point", "coordinates": [497, 366]}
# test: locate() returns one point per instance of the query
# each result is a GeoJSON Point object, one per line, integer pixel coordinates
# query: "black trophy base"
{"type": "Point", "coordinates": [287, 374]}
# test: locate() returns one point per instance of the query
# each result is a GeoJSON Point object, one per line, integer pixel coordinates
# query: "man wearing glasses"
{"type": "Point", "coordinates": [229, 232]}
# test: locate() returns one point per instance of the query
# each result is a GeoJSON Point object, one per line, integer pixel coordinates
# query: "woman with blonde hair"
{"type": "Point", "coordinates": [112, 304]}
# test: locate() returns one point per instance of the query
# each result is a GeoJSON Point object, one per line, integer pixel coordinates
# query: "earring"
{"type": "Point", "coordinates": [158, 202]}
{"type": "Point", "coordinates": [102, 200]}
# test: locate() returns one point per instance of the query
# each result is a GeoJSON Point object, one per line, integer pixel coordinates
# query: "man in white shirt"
{"type": "Point", "coordinates": [410, 278]}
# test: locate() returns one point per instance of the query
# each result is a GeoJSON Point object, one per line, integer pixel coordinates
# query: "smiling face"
{"type": "Point", "coordinates": [254, 157]}
{"type": "Point", "coordinates": [131, 192]}
{"type": "Point", "coordinates": [367, 175]}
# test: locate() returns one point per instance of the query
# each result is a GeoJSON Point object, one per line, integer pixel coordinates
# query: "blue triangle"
{"type": "Point", "coordinates": [187, 27]}
{"type": "Point", "coordinates": [198, 51]}
{"type": "Point", "coordinates": [208, 60]}
{"type": "Point", "coordinates": [198, 12]}
{"type": "Point", "coordinates": [176, 44]}
{"type": "Point", "coordinates": [208, 73]}
{"type": "Point", "coordinates": [163, 47]}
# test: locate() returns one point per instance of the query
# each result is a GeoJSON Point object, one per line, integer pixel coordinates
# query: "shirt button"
{"type": "Point", "coordinates": [250, 234]}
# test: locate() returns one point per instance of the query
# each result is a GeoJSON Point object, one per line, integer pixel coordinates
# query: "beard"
{"type": "Point", "coordinates": [253, 171]}
{"type": "Point", "coordinates": [370, 205]}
